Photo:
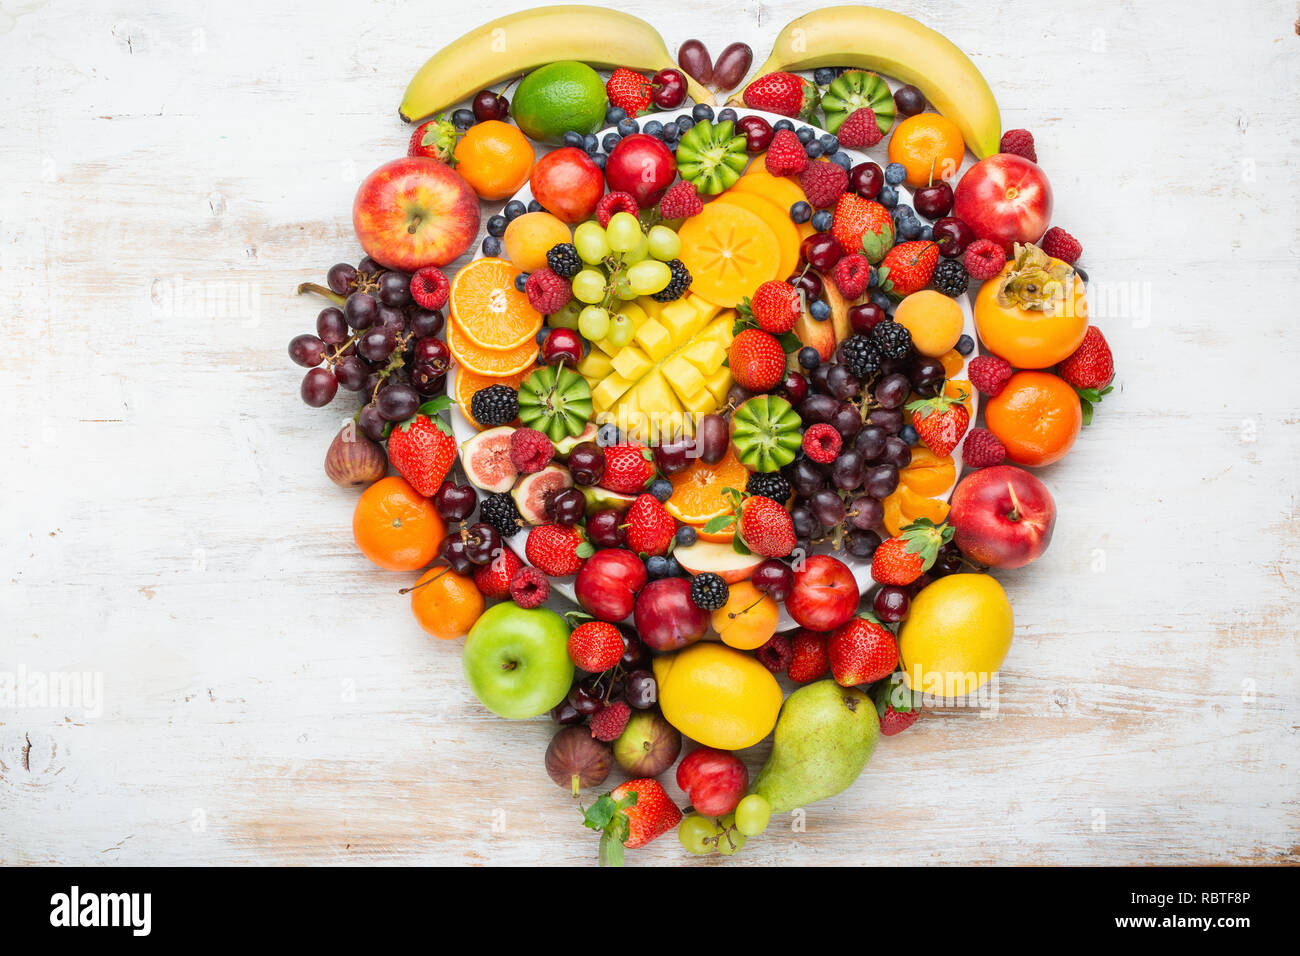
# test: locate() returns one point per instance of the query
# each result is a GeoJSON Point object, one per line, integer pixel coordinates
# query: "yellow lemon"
{"type": "Point", "coordinates": [957, 633]}
{"type": "Point", "coordinates": [717, 696]}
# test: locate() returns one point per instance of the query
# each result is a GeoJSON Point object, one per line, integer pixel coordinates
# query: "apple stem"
{"type": "Point", "coordinates": [322, 291]}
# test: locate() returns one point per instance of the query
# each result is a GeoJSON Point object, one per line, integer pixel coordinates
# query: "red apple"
{"type": "Point", "coordinates": [666, 618]}
{"type": "Point", "coordinates": [608, 582]}
{"type": "Point", "coordinates": [567, 184]}
{"type": "Point", "coordinates": [824, 595]}
{"type": "Point", "coordinates": [1002, 516]}
{"type": "Point", "coordinates": [1005, 198]}
{"type": "Point", "coordinates": [714, 780]}
{"type": "Point", "coordinates": [643, 166]}
{"type": "Point", "coordinates": [415, 212]}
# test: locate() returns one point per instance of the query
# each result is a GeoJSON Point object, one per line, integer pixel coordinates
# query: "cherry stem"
{"type": "Point", "coordinates": [423, 583]}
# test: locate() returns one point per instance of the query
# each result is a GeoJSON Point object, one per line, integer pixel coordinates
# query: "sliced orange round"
{"type": "Point", "coordinates": [698, 491]}
{"type": "Point", "coordinates": [493, 362]}
{"type": "Point", "coordinates": [467, 383]}
{"type": "Point", "coordinates": [492, 313]}
{"type": "Point", "coordinates": [729, 253]}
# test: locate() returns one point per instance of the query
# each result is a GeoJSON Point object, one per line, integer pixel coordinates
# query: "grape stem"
{"type": "Point", "coordinates": [321, 291]}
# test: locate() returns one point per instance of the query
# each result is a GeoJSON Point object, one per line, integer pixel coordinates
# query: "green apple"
{"type": "Point", "coordinates": [517, 661]}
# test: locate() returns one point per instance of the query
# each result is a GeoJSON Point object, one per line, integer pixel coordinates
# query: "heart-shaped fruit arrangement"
{"type": "Point", "coordinates": [714, 378]}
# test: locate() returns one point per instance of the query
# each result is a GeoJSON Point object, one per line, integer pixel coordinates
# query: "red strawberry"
{"type": "Point", "coordinates": [904, 558]}
{"type": "Point", "coordinates": [785, 154]}
{"type": "Point", "coordinates": [609, 722]}
{"type": "Point", "coordinates": [811, 659]}
{"type": "Point", "coordinates": [650, 528]}
{"type": "Point", "coordinates": [852, 275]}
{"type": "Point", "coordinates": [627, 469]}
{"type": "Point", "coordinates": [774, 306]}
{"type": "Point", "coordinates": [493, 579]}
{"type": "Point", "coordinates": [630, 816]}
{"type": "Point", "coordinates": [1059, 244]}
{"type": "Point", "coordinates": [422, 448]}
{"type": "Point", "coordinates": [941, 421]}
{"type": "Point", "coordinates": [611, 203]}
{"type": "Point", "coordinates": [823, 182]}
{"type": "Point", "coordinates": [908, 266]}
{"type": "Point", "coordinates": [557, 550]}
{"type": "Point", "coordinates": [786, 93]}
{"type": "Point", "coordinates": [596, 646]}
{"type": "Point", "coordinates": [1089, 370]}
{"type": "Point", "coordinates": [629, 91]}
{"type": "Point", "coordinates": [862, 225]}
{"type": "Point", "coordinates": [895, 707]}
{"type": "Point", "coordinates": [765, 527]}
{"type": "Point", "coordinates": [681, 201]}
{"type": "Point", "coordinates": [896, 721]}
{"type": "Point", "coordinates": [436, 139]}
{"type": "Point", "coordinates": [757, 362]}
{"type": "Point", "coordinates": [861, 652]}
{"type": "Point", "coordinates": [860, 130]}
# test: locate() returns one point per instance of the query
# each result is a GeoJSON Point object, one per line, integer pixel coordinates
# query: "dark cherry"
{"type": "Point", "coordinates": [635, 653]}
{"type": "Point", "coordinates": [933, 201]}
{"type": "Point", "coordinates": [672, 457]}
{"type": "Point", "coordinates": [489, 105]}
{"type": "Point", "coordinates": [908, 101]}
{"type": "Point", "coordinates": [584, 700]}
{"type": "Point", "coordinates": [820, 378]}
{"type": "Point", "coordinates": [821, 251]}
{"type": "Point", "coordinates": [810, 283]}
{"type": "Point", "coordinates": [865, 179]}
{"type": "Point", "coordinates": [642, 690]}
{"type": "Point", "coordinates": [773, 578]}
{"type": "Point", "coordinates": [567, 507]}
{"type": "Point", "coordinates": [952, 235]}
{"type": "Point", "coordinates": [927, 375]}
{"type": "Point", "coordinates": [793, 388]}
{"type": "Point", "coordinates": [891, 604]}
{"type": "Point", "coordinates": [428, 380]}
{"type": "Point", "coordinates": [565, 714]}
{"type": "Point", "coordinates": [604, 529]}
{"type": "Point", "coordinates": [757, 131]}
{"type": "Point", "coordinates": [561, 346]}
{"type": "Point", "coordinates": [669, 89]}
{"type": "Point", "coordinates": [587, 463]}
{"type": "Point", "coordinates": [431, 351]}
{"type": "Point", "coordinates": [455, 552]}
{"type": "Point", "coordinates": [482, 542]}
{"type": "Point", "coordinates": [865, 317]}
{"type": "Point", "coordinates": [455, 502]}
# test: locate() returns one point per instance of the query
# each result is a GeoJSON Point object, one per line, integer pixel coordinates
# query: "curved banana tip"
{"type": "Point", "coordinates": [401, 115]}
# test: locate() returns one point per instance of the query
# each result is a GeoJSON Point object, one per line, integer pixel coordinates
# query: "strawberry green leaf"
{"type": "Point", "coordinates": [714, 525]}
{"type": "Point", "coordinates": [789, 342]}
{"type": "Point", "coordinates": [738, 546]}
{"type": "Point", "coordinates": [1087, 407]}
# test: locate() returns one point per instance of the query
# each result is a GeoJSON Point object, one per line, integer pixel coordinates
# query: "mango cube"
{"type": "Point", "coordinates": [631, 363]}
{"type": "Point", "coordinates": [655, 339]}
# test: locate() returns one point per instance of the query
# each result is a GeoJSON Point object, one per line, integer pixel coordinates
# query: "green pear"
{"type": "Point", "coordinates": [823, 739]}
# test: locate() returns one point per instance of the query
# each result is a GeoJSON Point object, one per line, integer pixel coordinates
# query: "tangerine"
{"type": "Point", "coordinates": [496, 363]}
{"type": "Point", "coordinates": [929, 146]}
{"type": "Point", "coordinates": [446, 604]}
{"type": "Point", "coordinates": [495, 158]}
{"type": "Point", "coordinates": [395, 526]}
{"type": "Point", "coordinates": [1036, 416]}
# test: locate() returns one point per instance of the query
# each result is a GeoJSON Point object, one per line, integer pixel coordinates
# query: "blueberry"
{"type": "Point", "coordinates": [614, 115]}
{"type": "Point", "coordinates": [813, 149]}
{"type": "Point", "coordinates": [627, 126]}
{"type": "Point", "coordinates": [888, 196]}
{"type": "Point", "coordinates": [800, 212]}
{"type": "Point", "coordinates": [909, 435]}
{"type": "Point", "coordinates": [806, 134]}
{"type": "Point", "coordinates": [782, 124]}
{"type": "Point", "coordinates": [653, 128]}
{"type": "Point", "coordinates": [872, 277]}
{"type": "Point", "coordinates": [674, 569]}
{"type": "Point", "coordinates": [599, 160]}
{"type": "Point", "coordinates": [496, 226]}
{"type": "Point", "coordinates": [686, 536]}
{"type": "Point", "coordinates": [910, 228]}
{"type": "Point", "coordinates": [671, 132]}
{"type": "Point", "coordinates": [684, 123]}
{"type": "Point", "coordinates": [842, 160]}
{"type": "Point", "coordinates": [895, 173]}
{"type": "Point", "coordinates": [822, 220]}
{"type": "Point", "coordinates": [514, 209]}
{"type": "Point", "coordinates": [904, 211]}
{"type": "Point", "coordinates": [727, 116]}
{"type": "Point", "coordinates": [572, 139]}
{"type": "Point", "coordinates": [491, 246]}
{"type": "Point", "coordinates": [607, 435]}
{"type": "Point", "coordinates": [463, 119]}
{"type": "Point", "coordinates": [829, 143]}
{"type": "Point", "coordinates": [702, 111]}
{"type": "Point", "coordinates": [1081, 274]}
{"type": "Point", "coordinates": [521, 280]}
{"type": "Point", "coordinates": [656, 566]}
{"type": "Point", "coordinates": [965, 345]}
{"type": "Point", "coordinates": [824, 75]}
{"type": "Point", "coordinates": [610, 141]}
{"type": "Point", "coordinates": [809, 357]}
{"type": "Point", "coordinates": [882, 300]}
{"type": "Point", "coordinates": [590, 143]}
{"type": "Point", "coordinates": [820, 311]}
{"type": "Point", "coordinates": [534, 206]}
{"type": "Point", "coordinates": [542, 333]}
{"type": "Point", "coordinates": [661, 488]}
{"type": "Point", "coordinates": [927, 233]}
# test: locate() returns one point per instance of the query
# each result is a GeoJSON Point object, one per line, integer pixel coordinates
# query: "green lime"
{"type": "Point", "coordinates": [557, 98]}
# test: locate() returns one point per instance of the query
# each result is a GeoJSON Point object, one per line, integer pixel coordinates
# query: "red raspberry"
{"type": "Point", "coordinates": [896, 721]}
{"type": "Point", "coordinates": [530, 450]}
{"type": "Point", "coordinates": [989, 374]}
{"type": "Point", "coordinates": [610, 722]}
{"type": "Point", "coordinates": [547, 292]}
{"type": "Point", "coordinates": [981, 449]}
{"type": "Point", "coordinates": [1059, 244]}
{"type": "Point", "coordinates": [984, 259]}
{"type": "Point", "coordinates": [860, 130]}
{"type": "Point", "coordinates": [823, 183]}
{"type": "Point", "coordinates": [611, 203]}
{"type": "Point", "coordinates": [776, 654]}
{"type": "Point", "coordinates": [430, 288]}
{"type": "Point", "coordinates": [785, 155]}
{"type": "Point", "coordinates": [852, 274]}
{"type": "Point", "coordinates": [1017, 141]}
{"type": "Point", "coordinates": [681, 201]}
{"type": "Point", "coordinates": [822, 443]}
{"type": "Point", "coordinates": [529, 587]}
{"type": "Point", "coordinates": [811, 658]}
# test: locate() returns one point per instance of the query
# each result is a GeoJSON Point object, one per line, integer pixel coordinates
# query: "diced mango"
{"type": "Point", "coordinates": [719, 384]}
{"type": "Point", "coordinates": [595, 366]}
{"type": "Point", "coordinates": [702, 403]}
{"type": "Point", "coordinates": [706, 356]}
{"type": "Point", "coordinates": [682, 320]}
{"type": "Point", "coordinates": [654, 338]}
{"type": "Point", "coordinates": [684, 377]}
{"type": "Point", "coordinates": [631, 363]}
{"type": "Point", "coordinates": [609, 390]}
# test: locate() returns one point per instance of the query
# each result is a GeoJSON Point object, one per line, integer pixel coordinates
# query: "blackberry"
{"type": "Point", "coordinates": [495, 405]}
{"type": "Point", "coordinates": [893, 339]}
{"type": "Point", "coordinates": [677, 286]}
{"type": "Point", "coordinates": [563, 260]}
{"type": "Point", "coordinates": [500, 512]}
{"type": "Point", "coordinates": [769, 484]}
{"type": "Point", "coordinates": [861, 354]}
{"type": "Point", "coordinates": [708, 591]}
{"type": "Point", "coordinates": [951, 278]}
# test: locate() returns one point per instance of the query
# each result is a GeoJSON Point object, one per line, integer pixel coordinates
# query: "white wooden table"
{"type": "Point", "coordinates": [169, 178]}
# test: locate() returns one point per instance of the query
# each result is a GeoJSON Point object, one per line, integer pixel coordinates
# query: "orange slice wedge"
{"type": "Point", "coordinates": [698, 491]}
{"type": "Point", "coordinates": [496, 363]}
{"type": "Point", "coordinates": [467, 383]}
{"type": "Point", "coordinates": [492, 313]}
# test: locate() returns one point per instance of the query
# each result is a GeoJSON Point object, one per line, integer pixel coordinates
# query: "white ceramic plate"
{"type": "Point", "coordinates": [861, 569]}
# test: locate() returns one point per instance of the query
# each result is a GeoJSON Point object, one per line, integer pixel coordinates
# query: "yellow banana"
{"type": "Point", "coordinates": [898, 46]}
{"type": "Point", "coordinates": [515, 44]}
